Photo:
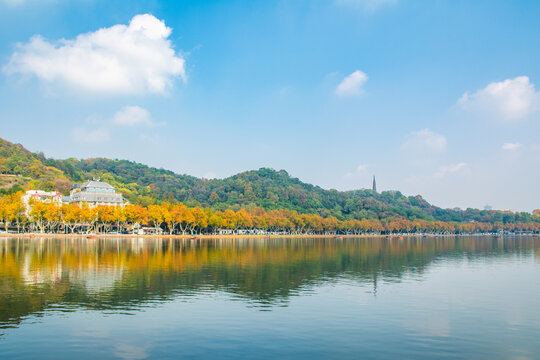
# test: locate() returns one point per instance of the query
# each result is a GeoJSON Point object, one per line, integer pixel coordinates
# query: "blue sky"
{"type": "Point", "coordinates": [437, 98]}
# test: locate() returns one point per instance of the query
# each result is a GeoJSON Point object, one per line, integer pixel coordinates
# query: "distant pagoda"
{"type": "Point", "coordinates": [374, 189]}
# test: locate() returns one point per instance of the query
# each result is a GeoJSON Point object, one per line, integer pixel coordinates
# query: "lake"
{"type": "Point", "coordinates": [304, 298]}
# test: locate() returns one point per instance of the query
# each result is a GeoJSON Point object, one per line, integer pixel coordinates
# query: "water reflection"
{"type": "Point", "coordinates": [42, 274]}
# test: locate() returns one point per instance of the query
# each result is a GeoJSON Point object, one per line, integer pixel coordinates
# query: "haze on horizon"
{"type": "Point", "coordinates": [434, 98]}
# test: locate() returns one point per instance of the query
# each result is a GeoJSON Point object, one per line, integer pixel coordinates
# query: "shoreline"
{"type": "Point", "coordinates": [206, 236]}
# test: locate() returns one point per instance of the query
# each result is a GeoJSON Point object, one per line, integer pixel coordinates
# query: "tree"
{"type": "Point", "coordinates": [88, 217]}
{"type": "Point", "coordinates": [5, 212]}
{"type": "Point", "coordinates": [107, 216]}
{"type": "Point", "coordinates": [38, 214]}
{"type": "Point", "coordinates": [17, 212]}
{"type": "Point", "coordinates": [53, 216]}
{"type": "Point", "coordinates": [157, 216]}
{"type": "Point", "coordinates": [215, 219]}
{"type": "Point", "coordinates": [184, 218]}
{"type": "Point", "coordinates": [71, 216]}
{"type": "Point", "coordinates": [243, 220]}
{"type": "Point", "coordinates": [200, 219]}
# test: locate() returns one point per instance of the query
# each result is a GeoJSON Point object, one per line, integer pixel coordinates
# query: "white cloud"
{"type": "Point", "coordinates": [137, 58]}
{"type": "Point", "coordinates": [511, 146]}
{"type": "Point", "coordinates": [85, 135]}
{"type": "Point", "coordinates": [367, 5]}
{"type": "Point", "coordinates": [132, 116]}
{"type": "Point", "coordinates": [511, 99]}
{"type": "Point", "coordinates": [450, 169]}
{"type": "Point", "coordinates": [360, 170]}
{"type": "Point", "coordinates": [353, 84]}
{"type": "Point", "coordinates": [99, 129]}
{"type": "Point", "coordinates": [425, 139]}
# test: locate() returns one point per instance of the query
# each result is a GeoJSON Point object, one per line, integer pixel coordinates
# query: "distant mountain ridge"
{"type": "Point", "coordinates": [266, 188]}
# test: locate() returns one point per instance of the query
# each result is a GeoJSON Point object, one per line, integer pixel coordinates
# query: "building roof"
{"type": "Point", "coordinates": [96, 184]}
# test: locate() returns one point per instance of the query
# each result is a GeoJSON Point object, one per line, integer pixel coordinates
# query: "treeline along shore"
{"type": "Point", "coordinates": [264, 188]}
{"type": "Point", "coordinates": [178, 219]}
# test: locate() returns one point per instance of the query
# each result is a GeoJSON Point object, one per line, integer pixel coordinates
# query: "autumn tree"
{"type": "Point", "coordinates": [156, 214]}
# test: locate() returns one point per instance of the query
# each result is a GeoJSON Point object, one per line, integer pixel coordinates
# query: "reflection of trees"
{"type": "Point", "coordinates": [123, 274]}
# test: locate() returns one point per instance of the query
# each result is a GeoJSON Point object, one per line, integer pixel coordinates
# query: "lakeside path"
{"type": "Point", "coordinates": [202, 237]}
{"type": "Point", "coordinates": [205, 236]}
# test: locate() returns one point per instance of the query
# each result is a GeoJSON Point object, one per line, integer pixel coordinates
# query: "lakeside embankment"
{"type": "Point", "coordinates": [243, 236]}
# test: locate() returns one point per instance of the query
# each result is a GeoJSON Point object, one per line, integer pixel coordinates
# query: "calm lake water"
{"type": "Point", "coordinates": [371, 298]}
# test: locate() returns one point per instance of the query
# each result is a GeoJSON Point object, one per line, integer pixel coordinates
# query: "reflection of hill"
{"type": "Point", "coordinates": [123, 274]}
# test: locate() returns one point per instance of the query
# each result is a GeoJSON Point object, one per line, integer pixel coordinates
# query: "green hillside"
{"type": "Point", "coordinates": [265, 188]}
{"type": "Point", "coordinates": [20, 168]}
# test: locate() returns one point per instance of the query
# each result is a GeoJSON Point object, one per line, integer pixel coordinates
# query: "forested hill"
{"type": "Point", "coordinates": [267, 188]}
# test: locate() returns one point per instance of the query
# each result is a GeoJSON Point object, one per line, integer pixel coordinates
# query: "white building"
{"type": "Point", "coordinates": [95, 193]}
{"type": "Point", "coordinates": [42, 196]}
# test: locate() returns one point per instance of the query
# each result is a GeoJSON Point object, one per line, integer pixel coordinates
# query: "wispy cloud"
{"type": "Point", "coordinates": [450, 169]}
{"type": "Point", "coordinates": [360, 170]}
{"type": "Point", "coordinates": [511, 146]}
{"type": "Point", "coordinates": [132, 116]}
{"type": "Point", "coordinates": [352, 85]}
{"type": "Point", "coordinates": [134, 58]}
{"type": "Point", "coordinates": [425, 139]}
{"type": "Point", "coordinates": [90, 135]}
{"type": "Point", "coordinates": [510, 99]}
{"type": "Point", "coordinates": [99, 129]}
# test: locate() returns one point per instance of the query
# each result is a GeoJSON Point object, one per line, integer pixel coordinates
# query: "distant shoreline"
{"type": "Point", "coordinates": [201, 237]}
